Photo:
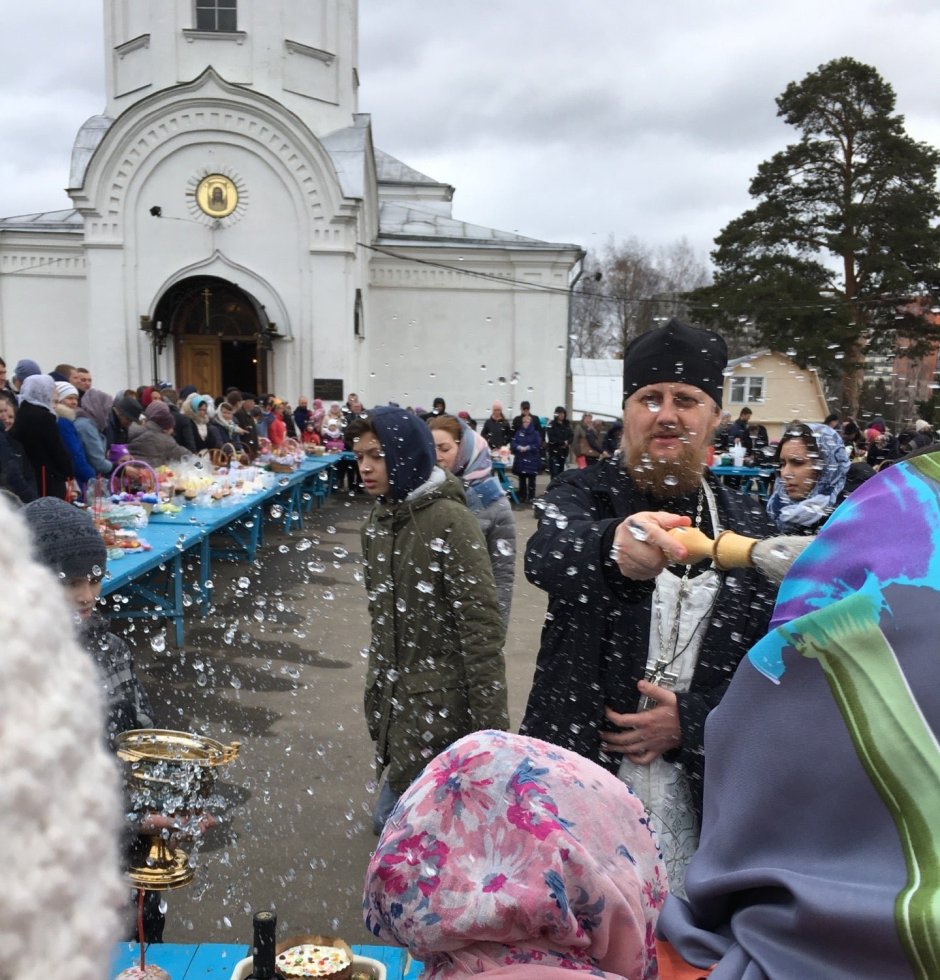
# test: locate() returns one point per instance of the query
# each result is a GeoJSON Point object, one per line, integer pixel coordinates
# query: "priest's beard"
{"type": "Point", "coordinates": [663, 478]}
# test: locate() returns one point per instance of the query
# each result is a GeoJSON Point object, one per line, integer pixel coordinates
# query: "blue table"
{"type": "Point", "coordinates": [215, 961]}
{"type": "Point", "coordinates": [135, 576]}
{"type": "Point", "coordinates": [239, 517]}
{"type": "Point", "coordinates": [761, 477]}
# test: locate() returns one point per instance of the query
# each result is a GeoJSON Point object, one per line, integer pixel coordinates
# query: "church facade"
{"type": "Point", "coordinates": [233, 225]}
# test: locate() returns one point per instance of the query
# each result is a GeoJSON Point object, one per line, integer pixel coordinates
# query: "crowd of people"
{"type": "Point", "coordinates": [58, 433]}
{"type": "Point", "coordinates": [664, 810]}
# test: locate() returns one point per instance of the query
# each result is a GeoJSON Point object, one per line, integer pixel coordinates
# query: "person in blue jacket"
{"type": "Point", "coordinates": [65, 408]}
{"type": "Point", "coordinates": [526, 447]}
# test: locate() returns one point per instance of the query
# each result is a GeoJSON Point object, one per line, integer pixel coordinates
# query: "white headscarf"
{"type": "Point", "coordinates": [38, 389]}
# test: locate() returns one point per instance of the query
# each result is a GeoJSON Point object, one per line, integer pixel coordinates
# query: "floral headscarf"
{"type": "Point", "coordinates": [38, 389]}
{"type": "Point", "coordinates": [510, 857]}
{"type": "Point", "coordinates": [790, 515]}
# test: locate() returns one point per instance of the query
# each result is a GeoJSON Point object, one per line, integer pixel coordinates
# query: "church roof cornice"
{"type": "Point", "coordinates": [208, 108]}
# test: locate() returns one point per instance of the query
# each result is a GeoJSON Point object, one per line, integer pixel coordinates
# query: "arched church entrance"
{"type": "Point", "coordinates": [222, 335]}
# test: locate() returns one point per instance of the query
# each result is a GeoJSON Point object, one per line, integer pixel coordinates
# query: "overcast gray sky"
{"type": "Point", "coordinates": [567, 122]}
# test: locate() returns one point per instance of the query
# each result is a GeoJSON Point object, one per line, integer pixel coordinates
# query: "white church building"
{"type": "Point", "coordinates": [233, 225]}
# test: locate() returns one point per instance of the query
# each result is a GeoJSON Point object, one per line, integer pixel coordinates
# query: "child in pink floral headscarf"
{"type": "Point", "coordinates": [512, 858]}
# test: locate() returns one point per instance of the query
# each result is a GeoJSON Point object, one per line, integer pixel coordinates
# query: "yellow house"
{"type": "Point", "coordinates": [776, 389]}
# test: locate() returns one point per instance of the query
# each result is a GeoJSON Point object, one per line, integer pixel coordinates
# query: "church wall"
{"type": "Point", "coordinates": [458, 338]}
{"type": "Point", "coordinates": [300, 52]}
{"type": "Point", "coordinates": [42, 317]}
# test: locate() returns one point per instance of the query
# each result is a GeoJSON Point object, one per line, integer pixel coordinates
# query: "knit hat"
{"type": "Point", "coordinates": [921, 425]}
{"type": "Point", "coordinates": [408, 446]}
{"type": "Point", "coordinates": [65, 390]}
{"type": "Point", "coordinates": [187, 390]}
{"type": "Point", "coordinates": [676, 352]}
{"type": "Point", "coordinates": [129, 407]}
{"type": "Point", "coordinates": [159, 413]}
{"type": "Point", "coordinates": [25, 369]}
{"type": "Point", "coordinates": [65, 538]}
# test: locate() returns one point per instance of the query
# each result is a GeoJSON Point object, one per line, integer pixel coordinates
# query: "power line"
{"type": "Point", "coordinates": [827, 305]}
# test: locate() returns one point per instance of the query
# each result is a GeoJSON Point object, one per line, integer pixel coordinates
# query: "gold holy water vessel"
{"type": "Point", "coordinates": [167, 772]}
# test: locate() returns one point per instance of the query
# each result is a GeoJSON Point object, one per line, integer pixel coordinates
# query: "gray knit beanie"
{"type": "Point", "coordinates": [25, 368]}
{"type": "Point", "coordinates": [65, 538]}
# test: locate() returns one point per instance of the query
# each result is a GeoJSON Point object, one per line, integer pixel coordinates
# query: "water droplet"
{"type": "Point", "coordinates": [244, 582]}
{"type": "Point", "coordinates": [401, 605]}
{"type": "Point", "coordinates": [328, 596]}
{"type": "Point", "coordinates": [340, 552]}
{"type": "Point", "coordinates": [303, 544]}
{"type": "Point", "coordinates": [202, 680]}
{"type": "Point", "coordinates": [504, 547]}
{"type": "Point", "coordinates": [158, 642]}
{"type": "Point", "coordinates": [425, 587]}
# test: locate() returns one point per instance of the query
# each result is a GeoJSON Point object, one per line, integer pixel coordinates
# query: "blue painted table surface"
{"type": "Point", "coordinates": [170, 535]}
{"type": "Point", "coordinates": [216, 961]}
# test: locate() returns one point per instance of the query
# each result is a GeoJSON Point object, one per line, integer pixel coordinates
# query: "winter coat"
{"type": "Point", "coordinates": [536, 424]}
{"type": "Point", "coordinates": [496, 432]}
{"type": "Point", "coordinates": [94, 444]}
{"type": "Point", "coordinates": [184, 432]}
{"type": "Point", "coordinates": [152, 445]}
{"type": "Point", "coordinates": [559, 435]}
{"type": "Point", "coordinates": [595, 641]}
{"type": "Point", "coordinates": [586, 442]}
{"type": "Point", "coordinates": [436, 669]}
{"type": "Point", "coordinates": [526, 446]}
{"type": "Point", "coordinates": [16, 475]}
{"type": "Point", "coordinates": [277, 430]}
{"type": "Point", "coordinates": [249, 435]}
{"type": "Point", "coordinates": [499, 528]}
{"type": "Point", "coordinates": [36, 430]}
{"type": "Point", "coordinates": [82, 470]}
{"type": "Point", "coordinates": [220, 435]}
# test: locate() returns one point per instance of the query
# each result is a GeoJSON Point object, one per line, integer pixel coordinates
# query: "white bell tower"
{"type": "Point", "coordinates": [302, 53]}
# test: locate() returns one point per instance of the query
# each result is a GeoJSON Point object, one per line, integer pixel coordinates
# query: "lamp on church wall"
{"type": "Point", "coordinates": [158, 335]}
{"type": "Point", "coordinates": [156, 332]}
{"type": "Point", "coordinates": [267, 335]}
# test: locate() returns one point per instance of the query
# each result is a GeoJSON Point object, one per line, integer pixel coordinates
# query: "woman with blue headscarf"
{"type": "Point", "coordinates": [813, 464]}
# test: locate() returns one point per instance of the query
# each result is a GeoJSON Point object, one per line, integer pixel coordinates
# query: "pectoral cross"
{"type": "Point", "coordinates": [661, 677]}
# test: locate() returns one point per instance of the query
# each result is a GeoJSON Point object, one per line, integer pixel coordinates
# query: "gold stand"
{"type": "Point", "coordinates": [163, 868]}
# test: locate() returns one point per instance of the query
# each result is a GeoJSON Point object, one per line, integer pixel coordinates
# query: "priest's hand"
{"type": "Point", "coordinates": [648, 734]}
{"type": "Point", "coordinates": [642, 548]}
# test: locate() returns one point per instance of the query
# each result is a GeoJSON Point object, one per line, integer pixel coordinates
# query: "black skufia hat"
{"type": "Point", "coordinates": [676, 352]}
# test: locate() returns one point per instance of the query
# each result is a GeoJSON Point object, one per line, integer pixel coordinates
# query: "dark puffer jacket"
{"type": "Point", "coordinates": [436, 668]}
{"type": "Point", "coordinates": [595, 640]}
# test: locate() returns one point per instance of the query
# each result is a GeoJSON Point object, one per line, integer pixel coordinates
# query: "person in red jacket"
{"type": "Point", "coordinates": [277, 430]}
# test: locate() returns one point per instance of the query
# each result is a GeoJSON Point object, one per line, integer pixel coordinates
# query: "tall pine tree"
{"type": "Point", "coordinates": [841, 245]}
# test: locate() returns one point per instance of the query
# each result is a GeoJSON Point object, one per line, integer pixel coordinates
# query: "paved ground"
{"type": "Point", "coordinates": [279, 666]}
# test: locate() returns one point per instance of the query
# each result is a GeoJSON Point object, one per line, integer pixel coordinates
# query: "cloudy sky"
{"type": "Point", "coordinates": [567, 122]}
